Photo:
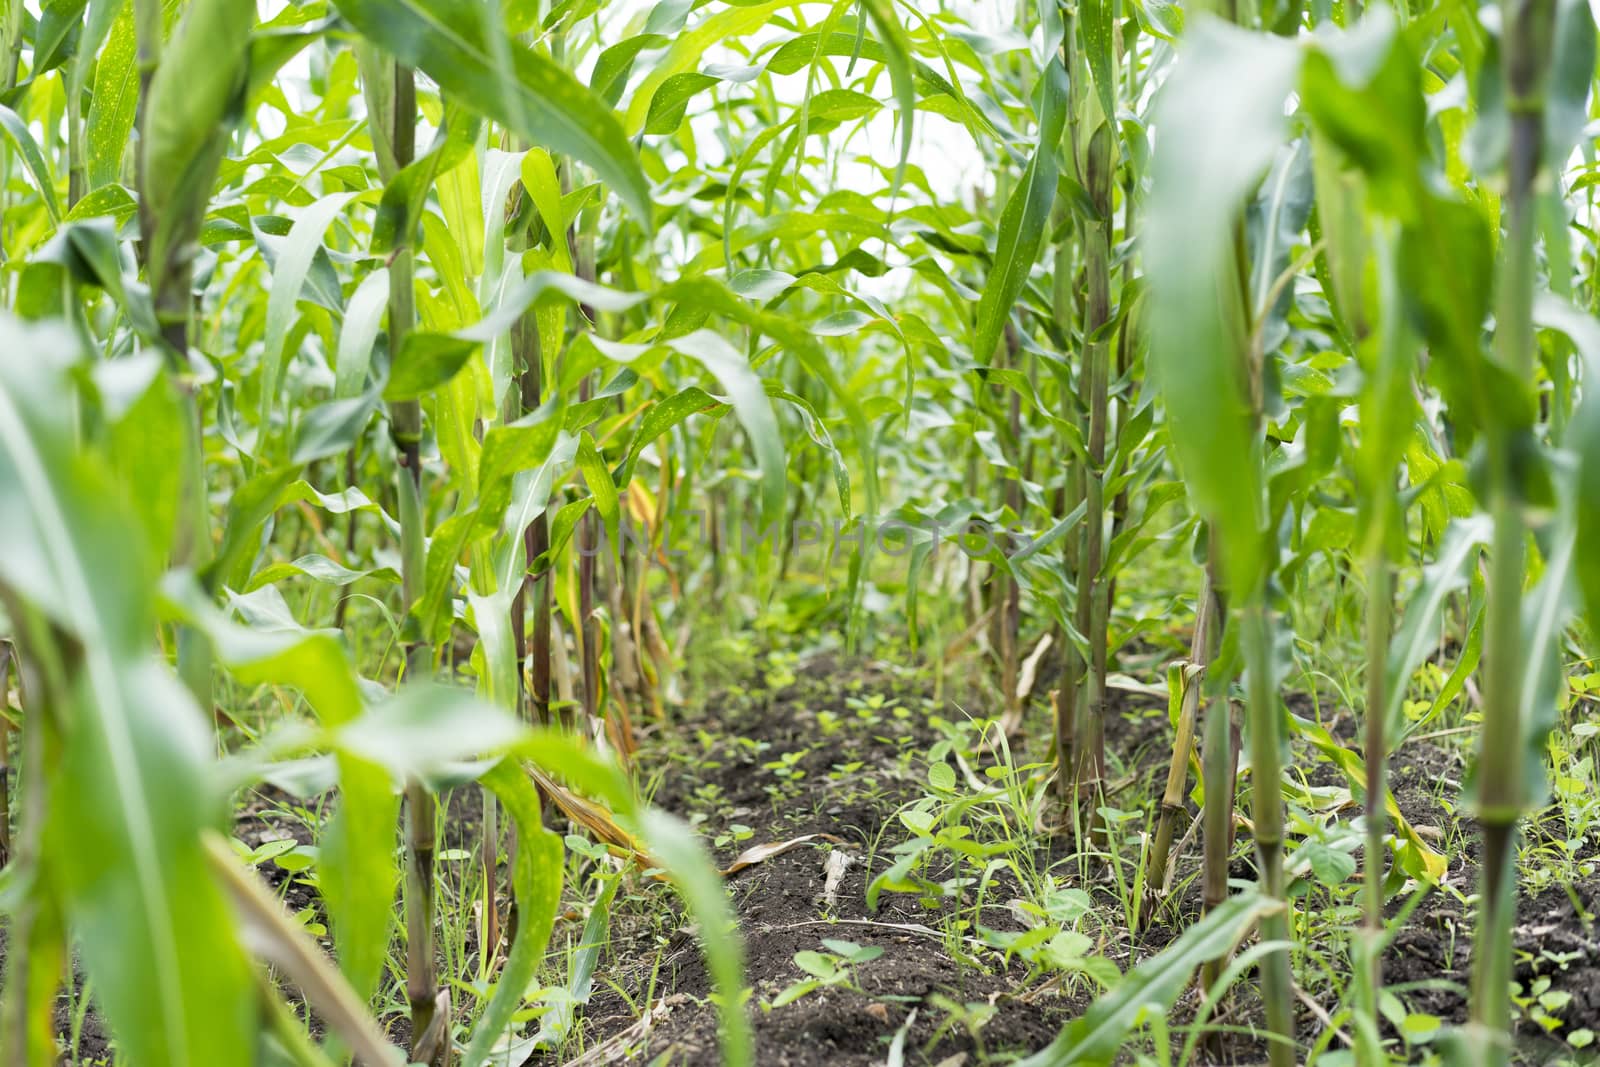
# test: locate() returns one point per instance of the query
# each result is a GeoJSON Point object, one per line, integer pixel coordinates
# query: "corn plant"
{"type": "Point", "coordinates": [365, 366]}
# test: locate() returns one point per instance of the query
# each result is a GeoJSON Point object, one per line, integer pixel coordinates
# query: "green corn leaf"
{"type": "Point", "coordinates": [509, 450]}
{"type": "Point", "coordinates": [1418, 630]}
{"type": "Point", "coordinates": [1099, 49]}
{"type": "Point", "coordinates": [495, 658]}
{"type": "Point", "coordinates": [557, 1023]}
{"type": "Point", "coordinates": [252, 504]}
{"type": "Point", "coordinates": [36, 961]}
{"type": "Point", "coordinates": [897, 57]}
{"type": "Point", "coordinates": [750, 406]}
{"type": "Point", "coordinates": [531, 491]}
{"type": "Point", "coordinates": [1583, 436]}
{"type": "Point", "coordinates": [363, 317]}
{"type": "Point", "coordinates": [319, 569]}
{"type": "Point", "coordinates": [448, 541]}
{"type": "Point", "coordinates": [798, 53]}
{"type": "Point", "coordinates": [332, 428]}
{"type": "Point", "coordinates": [56, 38]}
{"type": "Point", "coordinates": [1546, 610]}
{"type": "Point", "coordinates": [275, 43]}
{"type": "Point", "coordinates": [91, 251]}
{"type": "Point", "coordinates": [1026, 216]}
{"type": "Point", "coordinates": [544, 188]}
{"type": "Point", "coordinates": [683, 858]}
{"type": "Point", "coordinates": [132, 792]}
{"type": "Point", "coordinates": [1097, 1036]}
{"type": "Point", "coordinates": [1364, 90]}
{"type": "Point", "coordinates": [536, 883]}
{"type": "Point", "coordinates": [610, 75]}
{"type": "Point", "coordinates": [687, 48]}
{"type": "Point", "coordinates": [400, 211]}
{"type": "Point", "coordinates": [284, 653]}
{"type": "Point", "coordinates": [146, 431]}
{"type": "Point", "coordinates": [689, 866]}
{"type": "Point", "coordinates": [426, 361]}
{"type": "Point", "coordinates": [358, 868]}
{"type": "Point", "coordinates": [193, 101]}
{"type": "Point", "coordinates": [542, 103]}
{"type": "Point", "coordinates": [109, 124]}
{"type": "Point", "coordinates": [819, 434]}
{"type": "Point", "coordinates": [663, 415]}
{"type": "Point", "coordinates": [562, 524]}
{"type": "Point", "coordinates": [601, 487]}
{"type": "Point", "coordinates": [671, 101]}
{"type": "Point", "coordinates": [288, 279]}
{"type": "Point", "coordinates": [1197, 338]}
{"type": "Point", "coordinates": [425, 729]}
{"type": "Point", "coordinates": [1572, 69]}
{"type": "Point", "coordinates": [17, 132]}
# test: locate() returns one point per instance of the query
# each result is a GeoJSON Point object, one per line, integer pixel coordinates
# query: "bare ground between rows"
{"type": "Point", "coordinates": [781, 913]}
{"type": "Point", "coordinates": [1555, 938]}
{"type": "Point", "coordinates": [780, 905]}
{"type": "Point", "coordinates": [1428, 962]}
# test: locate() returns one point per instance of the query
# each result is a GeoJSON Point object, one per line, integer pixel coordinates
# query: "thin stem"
{"type": "Point", "coordinates": [1072, 667]}
{"type": "Point", "coordinates": [588, 526]}
{"type": "Point", "coordinates": [1266, 809]}
{"type": "Point", "coordinates": [395, 115]}
{"type": "Point", "coordinates": [1525, 54]}
{"type": "Point", "coordinates": [350, 466]}
{"type": "Point", "coordinates": [1172, 802]}
{"type": "Point", "coordinates": [172, 283]}
{"type": "Point", "coordinates": [7, 654]}
{"type": "Point", "coordinates": [11, 41]}
{"type": "Point", "coordinates": [1008, 614]}
{"type": "Point", "coordinates": [77, 161]}
{"type": "Point", "coordinates": [1217, 764]}
{"type": "Point", "coordinates": [1380, 606]}
{"type": "Point", "coordinates": [1093, 589]}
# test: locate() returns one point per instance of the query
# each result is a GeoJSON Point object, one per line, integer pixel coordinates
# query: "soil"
{"type": "Point", "coordinates": [780, 908]}
{"type": "Point", "coordinates": [1555, 938]}
{"type": "Point", "coordinates": [1427, 965]}
{"type": "Point", "coordinates": [848, 777]}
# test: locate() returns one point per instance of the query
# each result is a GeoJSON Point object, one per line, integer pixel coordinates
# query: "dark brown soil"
{"type": "Point", "coordinates": [779, 901]}
{"type": "Point", "coordinates": [1429, 962]}
{"type": "Point", "coordinates": [851, 769]}
{"type": "Point", "coordinates": [1428, 965]}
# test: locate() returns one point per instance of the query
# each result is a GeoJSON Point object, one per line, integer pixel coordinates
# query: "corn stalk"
{"type": "Point", "coordinates": [1190, 676]}
{"type": "Point", "coordinates": [1525, 52]}
{"type": "Point", "coordinates": [391, 94]}
{"type": "Point", "coordinates": [188, 88]}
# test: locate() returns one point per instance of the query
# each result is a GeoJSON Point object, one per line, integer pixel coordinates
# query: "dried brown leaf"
{"type": "Point", "coordinates": [761, 853]}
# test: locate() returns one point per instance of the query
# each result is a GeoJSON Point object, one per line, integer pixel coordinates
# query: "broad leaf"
{"type": "Point", "coordinates": [539, 100]}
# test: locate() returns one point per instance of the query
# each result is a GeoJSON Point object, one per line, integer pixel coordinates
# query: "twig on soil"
{"type": "Point", "coordinates": [760, 853]}
{"type": "Point", "coordinates": [973, 781]}
{"type": "Point", "coordinates": [1322, 1016]}
{"type": "Point", "coordinates": [833, 869]}
{"type": "Point", "coordinates": [965, 638]}
{"type": "Point", "coordinates": [910, 928]}
{"type": "Point", "coordinates": [1030, 667]}
{"type": "Point", "coordinates": [617, 1048]}
{"type": "Point", "coordinates": [1435, 735]}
